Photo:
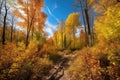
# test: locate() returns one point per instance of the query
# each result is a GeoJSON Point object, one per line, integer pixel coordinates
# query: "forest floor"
{"type": "Point", "coordinates": [60, 70]}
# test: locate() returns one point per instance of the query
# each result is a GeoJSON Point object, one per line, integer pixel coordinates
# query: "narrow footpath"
{"type": "Point", "coordinates": [59, 71]}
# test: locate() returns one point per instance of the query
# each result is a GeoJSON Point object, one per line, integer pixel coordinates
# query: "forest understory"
{"type": "Point", "coordinates": [84, 46]}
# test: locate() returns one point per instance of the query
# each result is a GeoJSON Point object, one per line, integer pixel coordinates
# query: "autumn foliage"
{"type": "Point", "coordinates": [86, 46]}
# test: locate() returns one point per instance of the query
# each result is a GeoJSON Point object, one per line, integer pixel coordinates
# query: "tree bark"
{"type": "Point", "coordinates": [28, 31]}
{"type": "Point", "coordinates": [11, 38]}
{"type": "Point", "coordinates": [4, 25]}
{"type": "Point", "coordinates": [1, 6]}
{"type": "Point", "coordinates": [83, 16]}
{"type": "Point", "coordinates": [118, 0]}
{"type": "Point", "coordinates": [88, 24]}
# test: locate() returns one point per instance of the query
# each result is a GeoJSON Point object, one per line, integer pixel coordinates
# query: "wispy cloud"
{"type": "Point", "coordinates": [49, 11]}
{"type": "Point", "coordinates": [50, 28]}
{"type": "Point", "coordinates": [54, 6]}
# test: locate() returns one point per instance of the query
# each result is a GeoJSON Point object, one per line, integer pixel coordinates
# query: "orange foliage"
{"type": "Point", "coordinates": [29, 12]}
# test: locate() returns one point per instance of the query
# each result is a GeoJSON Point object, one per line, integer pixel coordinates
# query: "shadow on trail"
{"type": "Point", "coordinates": [58, 72]}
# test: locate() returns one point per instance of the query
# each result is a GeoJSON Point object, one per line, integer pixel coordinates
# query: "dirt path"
{"type": "Point", "coordinates": [66, 66]}
{"type": "Point", "coordinates": [59, 72]}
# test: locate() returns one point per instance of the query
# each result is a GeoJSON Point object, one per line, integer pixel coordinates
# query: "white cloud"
{"type": "Point", "coordinates": [50, 28]}
{"type": "Point", "coordinates": [77, 32]}
{"type": "Point", "coordinates": [49, 11]}
{"type": "Point", "coordinates": [55, 6]}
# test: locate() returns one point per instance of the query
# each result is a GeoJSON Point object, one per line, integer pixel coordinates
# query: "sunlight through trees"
{"type": "Point", "coordinates": [84, 46]}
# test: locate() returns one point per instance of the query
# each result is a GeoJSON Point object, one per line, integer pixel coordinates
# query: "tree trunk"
{"type": "Point", "coordinates": [28, 31]}
{"type": "Point", "coordinates": [73, 37]}
{"type": "Point", "coordinates": [62, 39]}
{"type": "Point", "coordinates": [88, 24]}
{"type": "Point", "coordinates": [4, 25]}
{"type": "Point", "coordinates": [84, 21]}
{"type": "Point", "coordinates": [65, 41]}
{"type": "Point", "coordinates": [32, 32]}
{"type": "Point", "coordinates": [118, 0]}
{"type": "Point", "coordinates": [83, 16]}
{"type": "Point", "coordinates": [11, 38]}
{"type": "Point", "coordinates": [1, 6]}
{"type": "Point", "coordinates": [27, 38]}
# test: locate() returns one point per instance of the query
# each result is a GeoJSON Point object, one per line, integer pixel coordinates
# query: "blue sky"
{"type": "Point", "coordinates": [56, 10]}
